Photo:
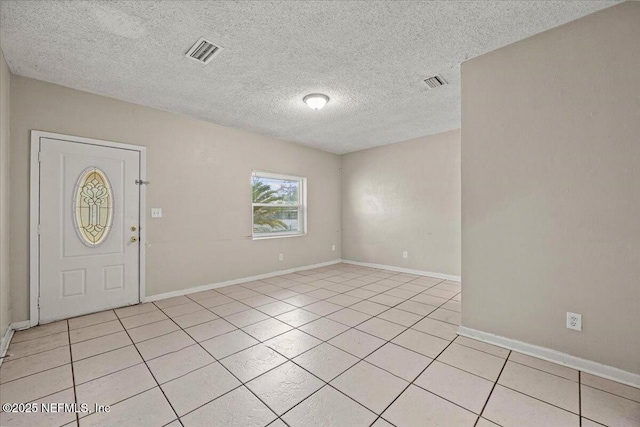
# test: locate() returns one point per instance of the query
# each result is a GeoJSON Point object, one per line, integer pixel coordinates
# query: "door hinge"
{"type": "Point", "coordinates": [38, 229]}
{"type": "Point", "coordinates": [141, 182]}
{"type": "Point", "coordinates": [38, 302]}
{"type": "Point", "coordinates": [39, 156]}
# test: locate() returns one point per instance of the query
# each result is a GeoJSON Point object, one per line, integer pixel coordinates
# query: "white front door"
{"type": "Point", "coordinates": [89, 228]}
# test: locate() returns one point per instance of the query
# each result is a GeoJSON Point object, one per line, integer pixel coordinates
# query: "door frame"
{"type": "Point", "coordinates": [34, 213]}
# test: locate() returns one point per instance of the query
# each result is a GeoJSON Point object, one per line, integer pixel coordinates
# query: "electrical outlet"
{"type": "Point", "coordinates": [574, 321]}
{"type": "Point", "coordinates": [156, 212]}
{"type": "Point", "coordinates": [405, 254]}
{"type": "Point", "coordinates": [281, 257]}
{"type": "Point", "coordinates": [333, 248]}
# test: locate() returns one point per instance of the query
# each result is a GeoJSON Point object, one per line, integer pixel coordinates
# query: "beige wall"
{"type": "Point", "coordinates": [551, 188]}
{"type": "Point", "coordinates": [200, 176]}
{"type": "Point", "coordinates": [404, 197]}
{"type": "Point", "coordinates": [5, 77]}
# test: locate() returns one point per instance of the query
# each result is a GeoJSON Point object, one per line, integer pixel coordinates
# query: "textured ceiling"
{"type": "Point", "coordinates": [369, 57]}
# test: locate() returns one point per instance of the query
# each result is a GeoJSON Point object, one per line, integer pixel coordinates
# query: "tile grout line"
{"type": "Point", "coordinates": [73, 375]}
{"type": "Point", "coordinates": [345, 292]}
{"type": "Point", "coordinates": [288, 359]}
{"type": "Point", "coordinates": [39, 337]}
{"type": "Point", "coordinates": [327, 383]}
{"type": "Point", "coordinates": [354, 327]}
{"type": "Point", "coordinates": [493, 388]}
{"type": "Point", "coordinates": [326, 341]}
{"type": "Point", "coordinates": [11, 358]}
{"type": "Point", "coordinates": [612, 394]}
{"type": "Point", "coordinates": [542, 370]}
{"type": "Point", "coordinates": [242, 383]}
{"type": "Point", "coordinates": [47, 395]}
{"type": "Point", "coordinates": [178, 420]}
{"type": "Point", "coordinates": [96, 337]}
{"type": "Point", "coordinates": [106, 351]}
{"type": "Point", "coordinates": [410, 384]}
{"type": "Point", "coordinates": [93, 324]}
{"type": "Point", "coordinates": [580, 398]}
{"type": "Point", "coordinates": [126, 398]}
{"type": "Point", "coordinates": [110, 373]}
{"type": "Point", "coordinates": [422, 371]}
{"type": "Point", "coordinates": [323, 316]}
{"type": "Point", "coordinates": [150, 372]}
{"type": "Point", "coordinates": [36, 373]}
{"type": "Point", "coordinates": [350, 327]}
{"type": "Point", "coordinates": [538, 399]}
{"type": "Point", "coordinates": [343, 307]}
{"type": "Point", "coordinates": [133, 343]}
{"type": "Point", "coordinates": [275, 367]}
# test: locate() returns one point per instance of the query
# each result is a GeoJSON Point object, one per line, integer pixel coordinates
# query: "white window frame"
{"type": "Point", "coordinates": [302, 206]}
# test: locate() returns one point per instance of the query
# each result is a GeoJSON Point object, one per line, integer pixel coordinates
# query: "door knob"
{"type": "Point", "coordinates": [133, 228]}
{"type": "Point", "coordinates": [134, 239]}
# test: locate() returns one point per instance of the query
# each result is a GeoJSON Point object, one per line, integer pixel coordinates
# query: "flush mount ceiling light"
{"type": "Point", "coordinates": [316, 100]}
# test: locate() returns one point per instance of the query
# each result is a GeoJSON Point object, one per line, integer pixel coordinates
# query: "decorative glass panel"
{"type": "Point", "coordinates": [93, 207]}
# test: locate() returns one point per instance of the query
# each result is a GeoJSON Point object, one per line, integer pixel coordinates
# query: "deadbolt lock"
{"type": "Point", "coordinates": [134, 239]}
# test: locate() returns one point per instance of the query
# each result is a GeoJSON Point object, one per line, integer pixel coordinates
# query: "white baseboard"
{"type": "Point", "coordinates": [18, 326]}
{"type": "Point", "coordinates": [554, 356]}
{"type": "Point", "coordinates": [405, 270]}
{"type": "Point", "coordinates": [4, 343]}
{"type": "Point", "coordinates": [8, 334]}
{"type": "Point", "coordinates": [210, 286]}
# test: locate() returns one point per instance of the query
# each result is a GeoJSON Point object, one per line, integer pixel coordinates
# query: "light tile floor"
{"type": "Point", "coordinates": [335, 346]}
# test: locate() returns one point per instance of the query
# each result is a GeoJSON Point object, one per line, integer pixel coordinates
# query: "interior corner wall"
{"type": "Point", "coordinates": [551, 188]}
{"type": "Point", "coordinates": [200, 176]}
{"type": "Point", "coordinates": [404, 197]}
{"type": "Point", "coordinates": [5, 307]}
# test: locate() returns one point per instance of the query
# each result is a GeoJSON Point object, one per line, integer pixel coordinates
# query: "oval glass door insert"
{"type": "Point", "coordinates": [93, 206]}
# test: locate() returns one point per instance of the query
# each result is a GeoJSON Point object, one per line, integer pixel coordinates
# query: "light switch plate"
{"type": "Point", "coordinates": [156, 212]}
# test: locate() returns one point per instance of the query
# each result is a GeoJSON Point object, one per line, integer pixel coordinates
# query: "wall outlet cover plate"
{"type": "Point", "coordinates": [574, 321]}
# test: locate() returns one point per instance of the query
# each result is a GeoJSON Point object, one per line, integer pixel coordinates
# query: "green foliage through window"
{"type": "Point", "coordinates": [276, 204]}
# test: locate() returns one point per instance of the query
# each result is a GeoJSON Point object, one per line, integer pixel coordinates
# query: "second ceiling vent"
{"type": "Point", "coordinates": [203, 51]}
{"type": "Point", "coordinates": [435, 82]}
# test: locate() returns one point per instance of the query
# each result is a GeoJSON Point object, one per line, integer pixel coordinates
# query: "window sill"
{"type": "Point", "coordinates": [278, 236]}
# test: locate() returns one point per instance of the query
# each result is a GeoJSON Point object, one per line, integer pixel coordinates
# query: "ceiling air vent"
{"type": "Point", "coordinates": [435, 82]}
{"type": "Point", "coordinates": [203, 51]}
